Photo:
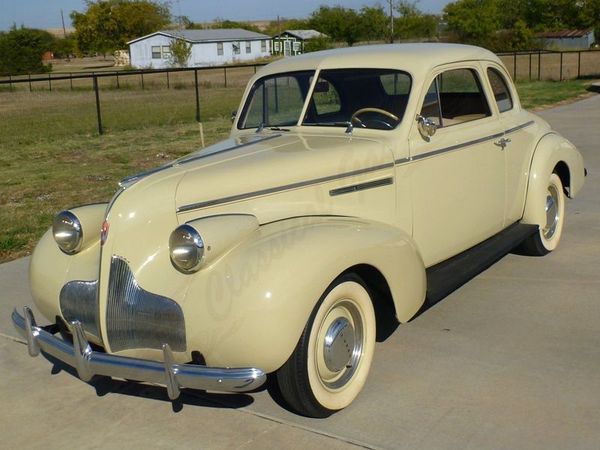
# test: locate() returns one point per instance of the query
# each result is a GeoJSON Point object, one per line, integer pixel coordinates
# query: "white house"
{"type": "Point", "coordinates": [209, 47]}
{"type": "Point", "coordinates": [291, 42]}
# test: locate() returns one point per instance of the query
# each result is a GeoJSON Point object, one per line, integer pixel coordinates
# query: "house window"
{"type": "Point", "coordinates": [263, 46]}
{"type": "Point", "coordinates": [219, 48]}
{"type": "Point", "coordinates": [296, 46]}
{"type": "Point", "coordinates": [236, 48]}
{"type": "Point", "coordinates": [156, 52]}
{"type": "Point", "coordinates": [166, 52]}
{"type": "Point", "coordinates": [277, 47]}
{"type": "Point", "coordinates": [248, 47]}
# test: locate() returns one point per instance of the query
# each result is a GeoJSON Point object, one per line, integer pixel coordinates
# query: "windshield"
{"type": "Point", "coordinates": [366, 98]}
{"type": "Point", "coordinates": [276, 101]}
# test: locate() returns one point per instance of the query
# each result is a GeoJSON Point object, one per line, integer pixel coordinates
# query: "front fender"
{"type": "Point", "coordinates": [251, 306]}
{"type": "Point", "coordinates": [551, 151]}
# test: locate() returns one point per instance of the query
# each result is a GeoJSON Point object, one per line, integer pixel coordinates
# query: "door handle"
{"type": "Point", "coordinates": [502, 142]}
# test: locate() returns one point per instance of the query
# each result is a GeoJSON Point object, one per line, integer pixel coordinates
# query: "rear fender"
{"type": "Point", "coordinates": [552, 152]}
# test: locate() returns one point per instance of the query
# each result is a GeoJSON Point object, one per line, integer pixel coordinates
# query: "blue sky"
{"type": "Point", "coordinates": [46, 13]}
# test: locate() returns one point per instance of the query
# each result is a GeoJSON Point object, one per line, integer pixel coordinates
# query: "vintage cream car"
{"type": "Point", "coordinates": [355, 184]}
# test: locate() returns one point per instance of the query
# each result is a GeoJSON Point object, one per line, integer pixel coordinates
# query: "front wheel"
{"type": "Point", "coordinates": [332, 359]}
{"type": "Point", "coordinates": [549, 234]}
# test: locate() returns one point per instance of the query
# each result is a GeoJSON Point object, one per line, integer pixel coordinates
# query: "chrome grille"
{"type": "Point", "coordinates": [79, 301]}
{"type": "Point", "coordinates": [136, 318]}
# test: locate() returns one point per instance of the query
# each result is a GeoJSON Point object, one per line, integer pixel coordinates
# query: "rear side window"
{"type": "Point", "coordinates": [457, 96]}
{"type": "Point", "coordinates": [500, 90]}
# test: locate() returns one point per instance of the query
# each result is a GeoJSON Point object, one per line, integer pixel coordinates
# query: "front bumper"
{"type": "Point", "coordinates": [88, 362]}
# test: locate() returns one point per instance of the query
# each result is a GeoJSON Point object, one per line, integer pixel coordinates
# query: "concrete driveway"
{"type": "Point", "coordinates": [510, 360]}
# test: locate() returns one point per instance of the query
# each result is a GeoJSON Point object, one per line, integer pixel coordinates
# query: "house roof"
{"type": "Point", "coordinates": [210, 35]}
{"type": "Point", "coordinates": [304, 34]}
{"type": "Point", "coordinates": [563, 34]}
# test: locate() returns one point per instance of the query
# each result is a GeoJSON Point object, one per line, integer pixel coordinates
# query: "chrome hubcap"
{"type": "Point", "coordinates": [552, 213]}
{"type": "Point", "coordinates": [341, 345]}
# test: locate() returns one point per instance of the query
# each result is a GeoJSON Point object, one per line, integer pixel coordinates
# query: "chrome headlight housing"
{"type": "Point", "coordinates": [67, 232]}
{"type": "Point", "coordinates": [186, 248]}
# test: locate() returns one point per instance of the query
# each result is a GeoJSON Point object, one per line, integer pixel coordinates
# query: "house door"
{"type": "Point", "coordinates": [287, 48]}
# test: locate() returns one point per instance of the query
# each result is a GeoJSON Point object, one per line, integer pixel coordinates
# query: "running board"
{"type": "Point", "coordinates": [447, 276]}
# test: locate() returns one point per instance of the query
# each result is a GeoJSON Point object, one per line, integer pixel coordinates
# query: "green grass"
{"type": "Point", "coordinates": [539, 94]}
{"type": "Point", "coordinates": [51, 156]}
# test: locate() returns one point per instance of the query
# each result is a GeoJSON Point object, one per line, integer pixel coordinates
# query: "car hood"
{"type": "Point", "coordinates": [262, 165]}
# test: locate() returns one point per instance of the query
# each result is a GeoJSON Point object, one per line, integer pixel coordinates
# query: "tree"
{"type": "Point", "coordinates": [107, 25]}
{"type": "Point", "coordinates": [180, 52]}
{"type": "Point", "coordinates": [474, 21]}
{"type": "Point", "coordinates": [21, 51]}
{"type": "Point", "coordinates": [412, 23]}
{"type": "Point", "coordinates": [316, 44]}
{"type": "Point", "coordinates": [375, 23]}
{"type": "Point", "coordinates": [224, 23]}
{"type": "Point", "coordinates": [341, 24]}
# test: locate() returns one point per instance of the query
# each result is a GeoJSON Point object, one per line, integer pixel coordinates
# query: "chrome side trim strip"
{"type": "Point", "coordinates": [469, 143]}
{"type": "Point", "coordinates": [89, 362]}
{"type": "Point", "coordinates": [184, 160]}
{"type": "Point", "coordinates": [361, 186]}
{"type": "Point", "coordinates": [457, 146]}
{"type": "Point", "coordinates": [286, 187]}
{"type": "Point", "coordinates": [519, 127]}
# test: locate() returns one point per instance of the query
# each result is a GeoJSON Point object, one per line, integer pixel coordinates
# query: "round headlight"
{"type": "Point", "coordinates": [186, 248]}
{"type": "Point", "coordinates": [67, 232]}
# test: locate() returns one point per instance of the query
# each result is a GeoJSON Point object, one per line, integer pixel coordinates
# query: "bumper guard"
{"type": "Point", "coordinates": [88, 362]}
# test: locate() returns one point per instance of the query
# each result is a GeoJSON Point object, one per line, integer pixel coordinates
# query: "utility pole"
{"type": "Point", "coordinates": [391, 21]}
{"type": "Point", "coordinates": [62, 17]}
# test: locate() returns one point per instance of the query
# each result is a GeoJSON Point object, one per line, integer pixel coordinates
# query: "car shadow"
{"type": "Point", "coordinates": [107, 385]}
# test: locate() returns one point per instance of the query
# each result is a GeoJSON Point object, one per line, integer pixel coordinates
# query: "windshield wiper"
{"type": "Point", "coordinates": [262, 127]}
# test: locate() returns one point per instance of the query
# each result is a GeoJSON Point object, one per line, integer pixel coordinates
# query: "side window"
{"type": "Point", "coordinates": [500, 90]}
{"type": "Point", "coordinates": [458, 96]}
{"type": "Point", "coordinates": [431, 105]}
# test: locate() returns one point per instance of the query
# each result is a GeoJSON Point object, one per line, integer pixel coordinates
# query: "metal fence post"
{"type": "Point", "coordinates": [530, 66]}
{"type": "Point", "coordinates": [579, 64]}
{"type": "Point", "coordinates": [118, 83]}
{"type": "Point", "coordinates": [71, 80]}
{"type": "Point", "coordinates": [142, 78]}
{"type": "Point", "coordinates": [168, 82]}
{"type": "Point", "coordinates": [197, 95]}
{"type": "Point", "coordinates": [50, 82]}
{"type": "Point", "coordinates": [10, 82]}
{"type": "Point", "coordinates": [98, 115]}
{"type": "Point", "coordinates": [225, 75]}
{"type": "Point", "coordinates": [560, 78]}
{"type": "Point", "coordinates": [29, 77]}
{"type": "Point", "coordinates": [539, 65]}
{"type": "Point", "coordinates": [515, 66]}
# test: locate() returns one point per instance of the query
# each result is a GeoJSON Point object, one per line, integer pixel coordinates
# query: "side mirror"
{"type": "Point", "coordinates": [233, 116]}
{"type": "Point", "coordinates": [426, 126]}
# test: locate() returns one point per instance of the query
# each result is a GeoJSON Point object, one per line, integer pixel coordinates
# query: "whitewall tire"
{"type": "Point", "coordinates": [331, 362]}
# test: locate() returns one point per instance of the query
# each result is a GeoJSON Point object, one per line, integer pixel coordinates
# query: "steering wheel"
{"type": "Point", "coordinates": [383, 112]}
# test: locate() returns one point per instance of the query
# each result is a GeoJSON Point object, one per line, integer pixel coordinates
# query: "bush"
{"type": "Point", "coordinates": [21, 51]}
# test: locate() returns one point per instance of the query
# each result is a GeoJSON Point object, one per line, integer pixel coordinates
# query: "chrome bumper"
{"type": "Point", "coordinates": [88, 362]}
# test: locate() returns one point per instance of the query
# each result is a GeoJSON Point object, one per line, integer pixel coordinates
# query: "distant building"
{"type": "Point", "coordinates": [291, 42]}
{"type": "Point", "coordinates": [567, 39]}
{"type": "Point", "coordinates": [209, 47]}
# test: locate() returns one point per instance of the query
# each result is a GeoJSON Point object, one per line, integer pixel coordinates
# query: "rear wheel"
{"type": "Point", "coordinates": [332, 359]}
{"type": "Point", "coordinates": [549, 234]}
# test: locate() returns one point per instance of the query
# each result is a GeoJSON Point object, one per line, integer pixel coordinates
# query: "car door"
{"type": "Point", "coordinates": [520, 138]}
{"type": "Point", "coordinates": [458, 174]}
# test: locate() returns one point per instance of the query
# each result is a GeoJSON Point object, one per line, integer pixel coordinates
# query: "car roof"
{"type": "Point", "coordinates": [417, 59]}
